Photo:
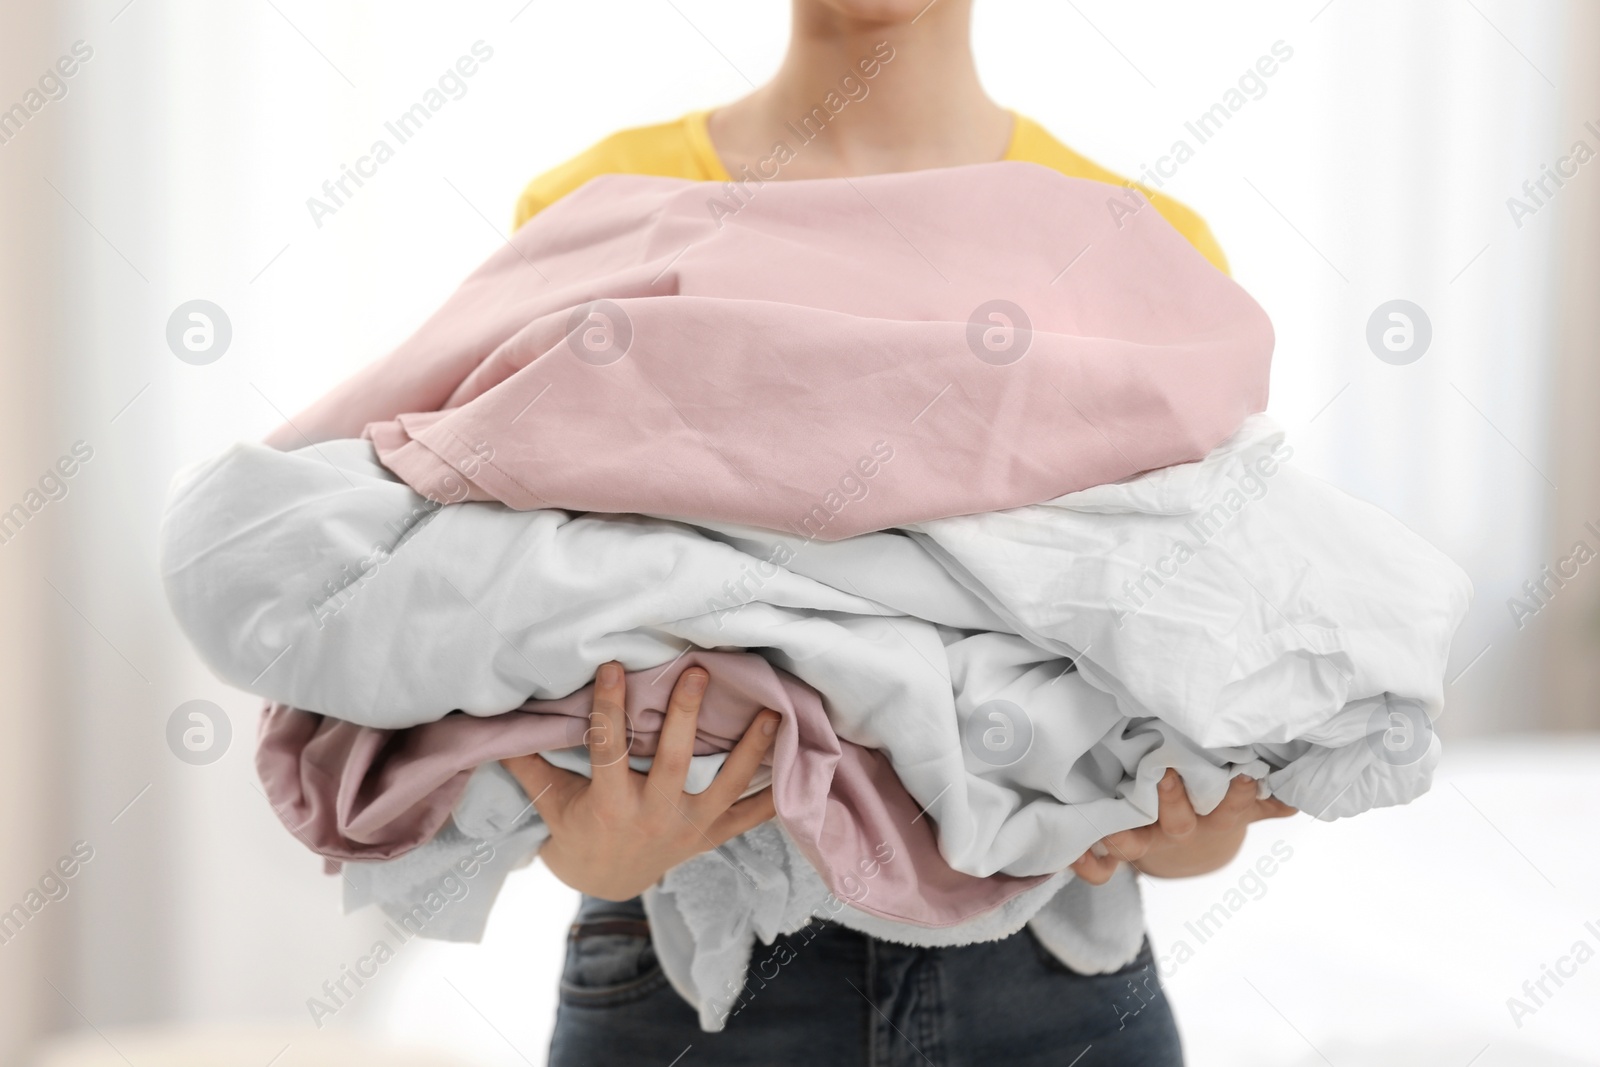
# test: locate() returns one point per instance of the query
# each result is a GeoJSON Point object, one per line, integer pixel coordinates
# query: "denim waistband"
{"type": "Point", "coordinates": [594, 910]}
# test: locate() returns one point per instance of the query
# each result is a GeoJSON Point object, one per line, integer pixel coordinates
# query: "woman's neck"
{"type": "Point", "coordinates": [921, 107]}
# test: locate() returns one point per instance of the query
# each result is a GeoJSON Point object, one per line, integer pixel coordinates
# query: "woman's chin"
{"type": "Point", "coordinates": [884, 11]}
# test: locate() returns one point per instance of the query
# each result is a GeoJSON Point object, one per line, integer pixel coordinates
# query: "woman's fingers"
{"type": "Point", "coordinates": [1176, 816]}
{"type": "Point", "coordinates": [750, 812]}
{"type": "Point", "coordinates": [741, 764]}
{"type": "Point", "coordinates": [1239, 799]}
{"type": "Point", "coordinates": [1273, 808]}
{"type": "Point", "coordinates": [549, 788]}
{"type": "Point", "coordinates": [1096, 870]}
{"type": "Point", "coordinates": [1130, 845]}
{"type": "Point", "coordinates": [670, 767]}
{"type": "Point", "coordinates": [607, 736]}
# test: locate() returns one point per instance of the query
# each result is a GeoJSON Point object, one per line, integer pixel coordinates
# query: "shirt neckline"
{"type": "Point", "coordinates": [697, 129]}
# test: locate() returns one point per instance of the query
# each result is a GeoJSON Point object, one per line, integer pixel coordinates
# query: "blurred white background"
{"type": "Point", "coordinates": [1376, 166]}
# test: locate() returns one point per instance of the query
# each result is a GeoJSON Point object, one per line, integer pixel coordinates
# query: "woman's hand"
{"type": "Point", "coordinates": [615, 835]}
{"type": "Point", "coordinates": [1180, 843]}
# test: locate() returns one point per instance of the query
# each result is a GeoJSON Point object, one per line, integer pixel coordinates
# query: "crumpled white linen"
{"type": "Point", "coordinates": [708, 914]}
{"type": "Point", "coordinates": [1234, 615]}
{"type": "Point", "coordinates": [1239, 599]}
{"type": "Point", "coordinates": [1305, 599]}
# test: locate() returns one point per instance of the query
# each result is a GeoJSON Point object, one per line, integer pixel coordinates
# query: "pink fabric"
{"type": "Point", "coordinates": [773, 347]}
{"type": "Point", "coordinates": [804, 356]}
{"type": "Point", "coordinates": [356, 793]}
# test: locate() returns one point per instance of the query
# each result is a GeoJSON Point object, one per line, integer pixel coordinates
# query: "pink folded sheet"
{"type": "Point", "coordinates": [830, 358]}
{"type": "Point", "coordinates": [1009, 334]}
{"type": "Point", "coordinates": [357, 793]}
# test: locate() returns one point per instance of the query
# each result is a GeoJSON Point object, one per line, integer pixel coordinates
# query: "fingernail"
{"type": "Point", "coordinates": [694, 680]}
{"type": "Point", "coordinates": [611, 673]}
{"type": "Point", "coordinates": [769, 725]}
{"type": "Point", "coordinates": [1169, 782]}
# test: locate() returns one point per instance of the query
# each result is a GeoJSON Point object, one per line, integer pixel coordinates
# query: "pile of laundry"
{"type": "Point", "coordinates": [962, 471]}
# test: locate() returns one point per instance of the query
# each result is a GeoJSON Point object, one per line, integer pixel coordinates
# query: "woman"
{"type": "Point", "coordinates": [867, 86]}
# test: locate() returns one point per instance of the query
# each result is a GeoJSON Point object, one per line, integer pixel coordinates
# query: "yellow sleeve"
{"type": "Point", "coordinates": [1032, 143]}
{"type": "Point", "coordinates": [1191, 225]}
{"type": "Point", "coordinates": [666, 150]}
{"type": "Point", "coordinates": [680, 149]}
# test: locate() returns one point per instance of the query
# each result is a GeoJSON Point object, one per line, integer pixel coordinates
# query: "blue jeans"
{"type": "Point", "coordinates": [827, 995]}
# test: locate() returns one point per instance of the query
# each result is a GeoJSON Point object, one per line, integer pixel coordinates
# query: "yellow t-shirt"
{"type": "Point", "coordinates": [683, 149]}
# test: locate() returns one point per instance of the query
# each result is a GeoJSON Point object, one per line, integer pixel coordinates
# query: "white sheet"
{"type": "Point", "coordinates": [1302, 636]}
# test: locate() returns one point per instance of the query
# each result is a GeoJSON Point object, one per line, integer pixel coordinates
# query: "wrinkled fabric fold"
{"type": "Point", "coordinates": [360, 793]}
{"type": "Point", "coordinates": [431, 629]}
{"type": "Point", "coordinates": [961, 471]}
{"type": "Point", "coordinates": [762, 357]}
